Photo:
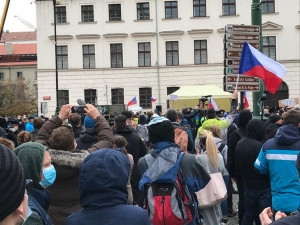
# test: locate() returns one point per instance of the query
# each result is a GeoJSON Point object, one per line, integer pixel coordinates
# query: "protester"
{"type": "Point", "coordinates": [272, 125]}
{"type": "Point", "coordinates": [257, 190]}
{"type": "Point", "coordinates": [244, 117]}
{"type": "Point", "coordinates": [23, 137]}
{"type": "Point", "coordinates": [13, 131]}
{"type": "Point", "coordinates": [163, 157]}
{"type": "Point", "coordinates": [277, 158]}
{"type": "Point", "coordinates": [7, 143]}
{"type": "Point", "coordinates": [29, 125]}
{"type": "Point", "coordinates": [36, 162]}
{"type": "Point", "coordinates": [37, 124]}
{"type": "Point", "coordinates": [142, 129]}
{"type": "Point", "coordinates": [129, 120]}
{"type": "Point", "coordinates": [120, 145]}
{"type": "Point", "coordinates": [89, 136]}
{"type": "Point", "coordinates": [185, 125]}
{"type": "Point", "coordinates": [281, 218]}
{"type": "Point", "coordinates": [103, 193]}
{"type": "Point", "coordinates": [75, 121]}
{"type": "Point", "coordinates": [67, 160]}
{"type": "Point", "coordinates": [136, 148]}
{"type": "Point", "coordinates": [14, 208]}
{"type": "Point", "coordinates": [214, 163]}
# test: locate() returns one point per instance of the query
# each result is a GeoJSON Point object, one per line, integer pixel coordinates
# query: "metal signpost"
{"type": "Point", "coordinates": [235, 36]}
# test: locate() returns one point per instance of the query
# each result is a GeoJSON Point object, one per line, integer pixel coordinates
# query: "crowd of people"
{"type": "Point", "coordinates": [151, 168]}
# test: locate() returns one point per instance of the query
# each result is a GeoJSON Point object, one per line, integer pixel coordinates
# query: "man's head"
{"type": "Point", "coordinates": [62, 138]}
{"type": "Point", "coordinates": [211, 113]}
{"type": "Point", "coordinates": [14, 199]}
{"type": "Point", "coordinates": [292, 117]}
{"type": "Point", "coordinates": [75, 120]}
{"type": "Point", "coordinates": [89, 122]}
{"type": "Point", "coordinates": [179, 117]}
{"type": "Point", "coordinates": [160, 129]}
{"type": "Point", "coordinates": [31, 119]}
{"type": "Point", "coordinates": [244, 117]}
{"type": "Point", "coordinates": [23, 137]}
{"type": "Point", "coordinates": [38, 123]}
{"type": "Point", "coordinates": [120, 121]}
{"type": "Point", "coordinates": [275, 119]}
{"type": "Point", "coordinates": [171, 114]}
{"type": "Point", "coordinates": [128, 115]}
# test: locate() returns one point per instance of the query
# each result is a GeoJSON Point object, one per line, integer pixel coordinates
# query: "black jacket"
{"type": "Point", "coordinates": [247, 151]}
{"type": "Point", "coordinates": [233, 139]}
{"type": "Point", "coordinates": [87, 139]}
{"type": "Point", "coordinates": [135, 145]}
{"type": "Point", "coordinates": [33, 134]}
{"type": "Point", "coordinates": [77, 132]}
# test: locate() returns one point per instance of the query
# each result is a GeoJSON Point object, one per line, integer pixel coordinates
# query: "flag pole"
{"type": "Point", "coordinates": [237, 81]}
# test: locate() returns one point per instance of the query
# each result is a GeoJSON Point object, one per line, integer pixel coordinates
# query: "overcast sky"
{"type": "Point", "coordinates": [21, 8]}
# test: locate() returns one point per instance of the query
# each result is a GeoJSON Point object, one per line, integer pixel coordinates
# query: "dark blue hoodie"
{"type": "Point", "coordinates": [103, 193]}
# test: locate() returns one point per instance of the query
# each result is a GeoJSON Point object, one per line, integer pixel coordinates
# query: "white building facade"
{"type": "Point", "coordinates": [110, 51]}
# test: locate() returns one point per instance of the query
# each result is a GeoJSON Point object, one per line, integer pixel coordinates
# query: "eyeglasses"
{"type": "Point", "coordinates": [28, 185]}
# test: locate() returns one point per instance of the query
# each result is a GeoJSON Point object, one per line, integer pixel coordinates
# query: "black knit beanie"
{"type": "Point", "coordinates": [274, 118]}
{"type": "Point", "coordinates": [161, 131]}
{"type": "Point", "coordinates": [12, 182]}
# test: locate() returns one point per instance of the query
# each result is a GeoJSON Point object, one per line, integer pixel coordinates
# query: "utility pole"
{"type": "Point", "coordinates": [55, 47]}
{"type": "Point", "coordinates": [256, 20]}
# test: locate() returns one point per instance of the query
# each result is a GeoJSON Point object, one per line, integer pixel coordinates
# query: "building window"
{"type": "Point", "coordinates": [145, 97]}
{"type": "Point", "coordinates": [171, 90]}
{"type": "Point", "coordinates": [117, 96]}
{"type": "Point", "coordinates": [199, 8]}
{"type": "Point", "coordinates": [200, 52]}
{"type": "Point", "coordinates": [172, 53]}
{"type": "Point", "coordinates": [88, 56]}
{"type": "Point", "coordinates": [90, 96]}
{"type": "Point", "coordinates": [143, 11]}
{"type": "Point", "coordinates": [171, 10]}
{"type": "Point", "coordinates": [62, 57]}
{"type": "Point", "coordinates": [19, 74]}
{"type": "Point", "coordinates": [228, 7]}
{"type": "Point", "coordinates": [87, 13]}
{"type": "Point", "coordinates": [116, 55]}
{"type": "Point", "coordinates": [1, 76]}
{"type": "Point", "coordinates": [61, 14]}
{"type": "Point", "coordinates": [115, 12]}
{"type": "Point", "coordinates": [269, 47]}
{"type": "Point", "coordinates": [63, 97]}
{"type": "Point", "coordinates": [144, 54]}
{"type": "Point", "coordinates": [268, 6]}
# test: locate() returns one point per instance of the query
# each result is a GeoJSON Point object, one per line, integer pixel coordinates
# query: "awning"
{"type": "Point", "coordinates": [198, 91]}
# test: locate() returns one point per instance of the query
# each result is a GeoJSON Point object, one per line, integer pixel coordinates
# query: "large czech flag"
{"type": "Point", "coordinates": [132, 102]}
{"type": "Point", "coordinates": [255, 64]}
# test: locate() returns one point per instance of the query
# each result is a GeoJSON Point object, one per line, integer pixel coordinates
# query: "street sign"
{"type": "Point", "coordinates": [242, 28]}
{"type": "Point", "coordinates": [242, 87]}
{"type": "Point", "coordinates": [242, 79]}
{"type": "Point", "coordinates": [231, 62]}
{"type": "Point", "coordinates": [44, 108]}
{"type": "Point", "coordinates": [233, 54]}
{"type": "Point", "coordinates": [241, 37]}
{"type": "Point", "coordinates": [231, 70]}
{"type": "Point", "coordinates": [239, 45]}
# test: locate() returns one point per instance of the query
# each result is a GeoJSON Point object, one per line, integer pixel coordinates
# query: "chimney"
{"type": "Point", "coordinates": [8, 48]}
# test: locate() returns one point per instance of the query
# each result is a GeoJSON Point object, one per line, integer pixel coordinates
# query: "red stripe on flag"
{"type": "Point", "coordinates": [271, 80]}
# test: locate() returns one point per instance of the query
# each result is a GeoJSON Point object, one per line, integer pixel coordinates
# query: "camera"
{"type": "Point", "coordinates": [204, 98]}
{"type": "Point", "coordinates": [78, 109]}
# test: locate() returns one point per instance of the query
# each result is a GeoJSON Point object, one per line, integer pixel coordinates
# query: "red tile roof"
{"type": "Point", "coordinates": [18, 63]}
{"type": "Point", "coordinates": [18, 36]}
{"type": "Point", "coordinates": [19, 49]}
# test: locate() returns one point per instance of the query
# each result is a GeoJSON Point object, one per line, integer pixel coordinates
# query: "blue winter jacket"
{"type": "Point", "coordinates": [278, 157]}
{"type": "Point", "coordinates": [103, 193]}
{"type": "Point", "coordinates": [29, 127]}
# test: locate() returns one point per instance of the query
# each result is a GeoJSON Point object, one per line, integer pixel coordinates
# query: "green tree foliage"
{"type": "Point", "coordinates": [17, 98]}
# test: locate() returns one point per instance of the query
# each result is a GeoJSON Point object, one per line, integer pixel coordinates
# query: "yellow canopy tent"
{"type": "Point", "coordinates": [189, 96]}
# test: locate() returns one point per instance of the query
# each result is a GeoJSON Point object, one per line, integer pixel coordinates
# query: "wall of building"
{"type": "Point", "coordinates": [284, 25]}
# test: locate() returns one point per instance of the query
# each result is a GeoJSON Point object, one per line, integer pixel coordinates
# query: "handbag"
{"type": "Point", "coordinates": [213, 193]}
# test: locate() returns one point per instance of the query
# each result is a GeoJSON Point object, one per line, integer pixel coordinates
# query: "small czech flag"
{"type": "Point", "coordinates": [212, 104]}
{"type": "Point", "coordinates": [246, 103]}
{"type": "Point", "coordinates": [153, 99]}
{"type": "Point", "coordinates": [132, 102]}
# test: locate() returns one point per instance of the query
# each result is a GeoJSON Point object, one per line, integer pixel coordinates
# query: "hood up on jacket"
{"type": "Point", "coordinates": [103, 179]}
{"type": "Point", "coordinates": [287, 135]}
{"type": "Point", "coordinates": [31, 156]}
{"type": "Point", "coordinates": [256, 129]}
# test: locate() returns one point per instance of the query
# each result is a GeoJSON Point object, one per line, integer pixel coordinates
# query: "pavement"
{"type": "Point", "coordinates": [234, 220]}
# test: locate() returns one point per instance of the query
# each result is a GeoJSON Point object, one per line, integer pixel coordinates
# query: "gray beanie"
{"type": "Point", "coordinates": [12, 185]}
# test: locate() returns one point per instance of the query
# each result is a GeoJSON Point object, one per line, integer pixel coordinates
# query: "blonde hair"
{"type": "Point", "coordinates": [207, 139]}
{"type": "Point", "coordinates": [216, 131]}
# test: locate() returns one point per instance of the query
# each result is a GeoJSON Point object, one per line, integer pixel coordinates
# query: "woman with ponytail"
{"type": "Point", "coordinates": [212, 160]}
{"type": "Point", "coordinates": [120, 144]}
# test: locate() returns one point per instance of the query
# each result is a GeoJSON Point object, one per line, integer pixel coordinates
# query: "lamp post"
{"type": "Point", "coordinates": [56, 71]}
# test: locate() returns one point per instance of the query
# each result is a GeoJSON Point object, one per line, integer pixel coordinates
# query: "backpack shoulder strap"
{"type": "Point", "coordinates": [221, 147]}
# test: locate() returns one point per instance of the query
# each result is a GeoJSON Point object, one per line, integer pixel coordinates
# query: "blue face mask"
{"type": "Point", "coordinates": [29, 212]}
{"type": "Point", "coordinates": [50, 176]}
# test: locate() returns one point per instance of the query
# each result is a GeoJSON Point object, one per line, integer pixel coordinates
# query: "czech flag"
{"type": "Point", "coordinates": [246, 103]}
{"type": "Point", "coordinates": [153, 99]}
{"type": "Point", "coordinates": [132, 102]}
{"type": "Point", "coordinates": [255, 64]}
{"type": "Point", "coordinates": [212, 104]}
